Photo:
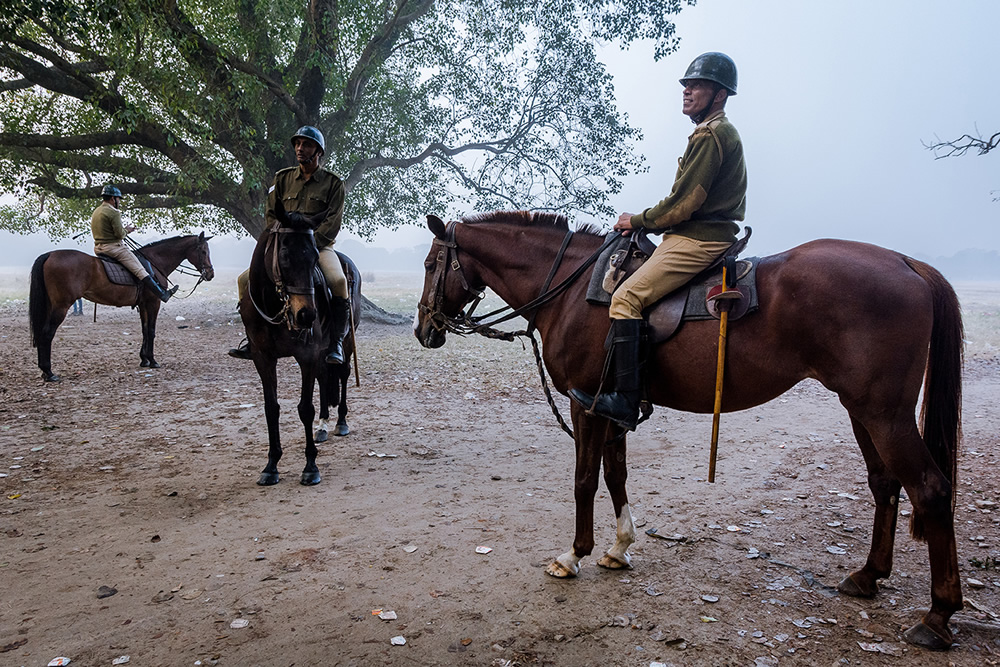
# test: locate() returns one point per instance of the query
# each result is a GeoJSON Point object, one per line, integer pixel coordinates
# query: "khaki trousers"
{"type": "Point", "coordinates": [120, 251]}
{"type": "Point", "coordinates": [675, 261]}
{"type": "Point", "coordinates": [329, 264]}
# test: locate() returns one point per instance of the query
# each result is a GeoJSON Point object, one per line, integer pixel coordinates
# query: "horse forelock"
{"type": "Point", "coordinates": [533, 219]}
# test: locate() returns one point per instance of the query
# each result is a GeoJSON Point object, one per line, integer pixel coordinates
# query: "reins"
{"type": "Point", "coordinates": [465, 323]}
{"type": "Point", "coordinates": [282, 290]}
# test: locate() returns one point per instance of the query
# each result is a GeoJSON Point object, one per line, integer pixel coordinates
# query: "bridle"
{"type": "Point", "coordinates": [447, 258]}
{"type": "Point", "coordinates": [465, 323]}
{"type": "Point", "coordinates": [284, 314]}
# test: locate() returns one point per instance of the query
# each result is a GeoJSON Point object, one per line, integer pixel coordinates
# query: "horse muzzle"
{"type": "Point", "coordinates": [207, 273]}
{"type": "Point", "coordinates": [431, 334]}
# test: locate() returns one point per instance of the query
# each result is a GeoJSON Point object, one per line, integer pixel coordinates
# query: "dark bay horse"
{"type": "Point", "coordinates": [868, 323]}
{"type": "Point", "coordinates": [60, 277]}
{"type": "Point", "coordinates": [285, 315]}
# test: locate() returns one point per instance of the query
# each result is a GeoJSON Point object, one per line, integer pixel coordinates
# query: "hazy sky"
{"type": "Point", "coordinates": [834, 100]}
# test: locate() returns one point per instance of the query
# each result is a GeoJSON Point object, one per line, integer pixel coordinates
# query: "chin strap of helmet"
{"type": "Point", "coordinates": [703, 114]}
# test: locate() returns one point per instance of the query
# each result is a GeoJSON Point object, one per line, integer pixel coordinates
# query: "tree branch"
{"type": "Point", "coordinates": [963, 145]}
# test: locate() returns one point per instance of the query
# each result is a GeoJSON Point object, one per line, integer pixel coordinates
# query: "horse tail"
{"type": "Point", "coordinates": [941, 412]}
{"type": "Point", "coordinates": [38, 300]}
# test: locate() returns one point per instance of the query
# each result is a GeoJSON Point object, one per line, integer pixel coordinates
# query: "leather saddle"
{"type": "Point", "coordinates": [118, 274]}
{"type": "Point", "coordinates": [699, 299]}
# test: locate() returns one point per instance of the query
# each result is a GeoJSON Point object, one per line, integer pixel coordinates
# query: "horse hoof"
{"type": "Point", "coordinates": [143, 364]}
{"type": "Point", "coordinates": [610, 562]}
{"type": "Point", "coordinates": [320, 436]}
{"type": "Point", "coordinates": [153, 364]}
{"type": "Point", "coordinates": [267, 479]}
{"type": "Point", "coordinates": [849, 586]}
{"type": "Point", "coordinates": [922, 635]}
{"type": "Point", "coordinates": [341, 430]}
{"type": "Point", "coordinates": [51, 378]}
{"type": "Point", "coordinates": [559, 571]}
{"type": "Point", "coordinates": [310, 479]}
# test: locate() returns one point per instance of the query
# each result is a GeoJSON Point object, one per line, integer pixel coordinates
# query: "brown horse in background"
{"type": "Point", "coordinates": [60, 277]}
{"type": "Point", "coordinates": [870, 324]}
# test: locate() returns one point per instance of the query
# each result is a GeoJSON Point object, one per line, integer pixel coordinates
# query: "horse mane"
{"type": "Point", "coordinates": [534, 219]}
{"type": "Point", "coordinates": [166, 240]}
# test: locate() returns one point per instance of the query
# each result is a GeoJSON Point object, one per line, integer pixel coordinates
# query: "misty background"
{"type": "Point", "coordinates": [835, 103]}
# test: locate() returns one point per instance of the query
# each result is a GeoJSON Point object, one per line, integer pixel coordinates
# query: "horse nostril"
{"type": "Point", "coordinates": [306, 316]}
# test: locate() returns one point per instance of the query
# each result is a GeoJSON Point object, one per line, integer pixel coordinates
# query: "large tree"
{"type": "Point", "coordinates": [427, 105]}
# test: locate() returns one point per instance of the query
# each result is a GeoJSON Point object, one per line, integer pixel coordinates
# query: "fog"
{"type": "Point", "coordinates": [834, 102]}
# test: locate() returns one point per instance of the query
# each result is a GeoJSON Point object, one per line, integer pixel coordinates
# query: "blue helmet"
{"type": "Point", "coordinates": [111, 191]}
{"type": "Point", "coordinates": [310, 132]}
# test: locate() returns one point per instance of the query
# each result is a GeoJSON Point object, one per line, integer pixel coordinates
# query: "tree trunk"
{"type": "Point", "coordinates": [372, 313]}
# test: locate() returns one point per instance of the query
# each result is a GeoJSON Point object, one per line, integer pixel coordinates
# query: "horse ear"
{"type": "Point", "coordinates": [436, 225]}
{"type": "Point", "coordinates": [315, 220]}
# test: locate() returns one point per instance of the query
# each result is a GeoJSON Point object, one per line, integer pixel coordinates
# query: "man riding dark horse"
{"type": "Point", "coordinates": [303, 191]}
{"type": "Point", "coordinates": [697, 220]}
{"type": "Point", "coordinates": [109, 240]}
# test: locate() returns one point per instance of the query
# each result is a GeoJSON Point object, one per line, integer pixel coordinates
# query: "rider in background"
{"type": "Point", "coordinates": [109, 239]}
{"type": "Point", "coordinates": [308, 189]}
{"type": "Point", "coordinates": [697, 220]}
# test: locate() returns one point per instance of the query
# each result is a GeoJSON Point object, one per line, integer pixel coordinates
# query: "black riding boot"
{"type": "Point", "coordinates": [241, 352]}
{"type": "Point", "coordinates": [155, 288]}
{"type": "Point", "coordinates": [341, 325]}
{"type": "Point", "coordinates": [621, 405]}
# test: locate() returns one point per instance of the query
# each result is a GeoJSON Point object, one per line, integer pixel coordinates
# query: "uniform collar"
{"type": "Point", "coordinates": [721, 113]}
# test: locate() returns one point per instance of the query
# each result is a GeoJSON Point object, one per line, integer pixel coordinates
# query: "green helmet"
{"type": "Point", "coordinates": [713, 66]}
{"type": "Point", "coordinates": [310, 132]}
{"type": "Point", "coordinates": [111, 191]}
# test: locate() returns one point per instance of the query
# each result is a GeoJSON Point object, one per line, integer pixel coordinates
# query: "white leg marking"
{"type": "Point", "coordinates": [569, 561]}
{"type": "Point", "coordinates": [625, 535]}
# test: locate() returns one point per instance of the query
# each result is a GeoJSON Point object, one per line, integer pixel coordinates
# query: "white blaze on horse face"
{"type": "Point", "coordinates": [416, 322]}
{"type": "Point", "coordinates": [625, 535]}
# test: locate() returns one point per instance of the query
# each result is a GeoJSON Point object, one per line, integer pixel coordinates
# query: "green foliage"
{"type": "Point", "coordinates": [438, 106]}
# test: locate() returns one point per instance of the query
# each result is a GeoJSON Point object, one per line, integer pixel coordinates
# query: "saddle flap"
{"type": "Point", "coordinates": [117, 274]}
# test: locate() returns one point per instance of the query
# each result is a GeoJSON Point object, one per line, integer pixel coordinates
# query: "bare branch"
{"type": "Point", "coordinates": [963, 145]}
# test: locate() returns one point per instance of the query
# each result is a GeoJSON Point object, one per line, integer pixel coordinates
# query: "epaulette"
{"type": "Point", "coordinates": [281, 171]}
{"type": "Point", "coordinates": [709, 128]}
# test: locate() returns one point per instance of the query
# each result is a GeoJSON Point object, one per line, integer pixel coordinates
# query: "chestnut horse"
{"type": "Point", "coordinates": [868, 323]}
{"type": "Point", "coordinates": [60, 277]}
{"type": "Point", "coordinates": [286, 316]}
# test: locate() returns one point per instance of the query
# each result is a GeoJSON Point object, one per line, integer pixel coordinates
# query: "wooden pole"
{"type": "Point", "coordinates": [354, 343]}
{"type": "Point", "coordinates": [719, 373]}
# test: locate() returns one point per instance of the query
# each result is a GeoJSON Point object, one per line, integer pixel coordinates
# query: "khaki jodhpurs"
{"type": "Point", "coordinates": [675, 261]}
{"type": "Point", "coordinates": [329, 264]}
{"type": "Point", "coordinates": [121, 252]}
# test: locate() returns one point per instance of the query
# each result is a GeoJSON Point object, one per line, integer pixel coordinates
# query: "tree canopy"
{"type": "Point", "coordinates": [427, 106]}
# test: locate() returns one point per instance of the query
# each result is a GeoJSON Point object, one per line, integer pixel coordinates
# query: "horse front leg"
{"type": "Point", "coordinates": [147, 315]}
{"type": "Point", "coordinates": [615, 474]}
{"type": "Point", "coordinates": [590, 435]}
{"type": "Point", "coordinates": [307, 411]}
{"type": "Point", "coordinates": [267, 369]}
{"type": "Point", "coordinates": [885, 487]}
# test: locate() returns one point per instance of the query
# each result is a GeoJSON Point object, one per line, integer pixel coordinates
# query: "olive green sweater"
{"type": "Point", "coordinates": [710, 187]}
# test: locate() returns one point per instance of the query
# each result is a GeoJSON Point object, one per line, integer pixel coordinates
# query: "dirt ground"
{"type": "Point", "coordinates": [143, 481]}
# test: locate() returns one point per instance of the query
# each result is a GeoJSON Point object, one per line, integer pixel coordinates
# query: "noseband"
{"type": "Point", "coordinates": [283, 291]}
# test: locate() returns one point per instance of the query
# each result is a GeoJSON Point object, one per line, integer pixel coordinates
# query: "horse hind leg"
{"type": "Point", "coordinates": [44, 342]}
{"type": "Point", "coordinates": [342, 427]}
{"type": "Point", "coordinates": [907, 457]}
{"type": "Point", "coordinates": [615, 474]}
{"type": "Point", "coordinates": [885, 487]}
